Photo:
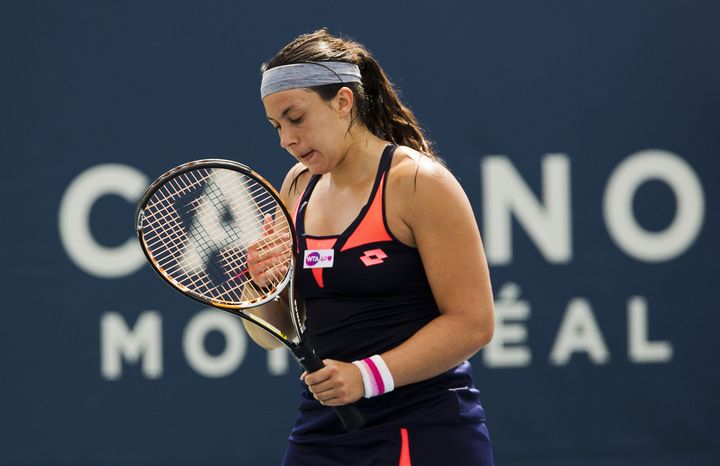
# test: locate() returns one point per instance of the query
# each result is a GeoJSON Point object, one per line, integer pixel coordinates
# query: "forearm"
{"type": "Point", "coordinates": [442, 344]}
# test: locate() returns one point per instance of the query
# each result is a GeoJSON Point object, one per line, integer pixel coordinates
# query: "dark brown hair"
{"type": "Point", "coordinates": [376, 101]}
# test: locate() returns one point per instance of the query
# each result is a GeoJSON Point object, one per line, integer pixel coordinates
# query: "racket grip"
{"type": "Point", "coordinates": [351, 417]}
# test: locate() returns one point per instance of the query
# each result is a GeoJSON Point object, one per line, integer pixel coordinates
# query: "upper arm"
{"type": "Point", "coordinates": [443, 225]}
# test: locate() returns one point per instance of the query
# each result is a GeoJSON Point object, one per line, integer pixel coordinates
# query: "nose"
{"type": "Point", "coordinates": [287, 138]}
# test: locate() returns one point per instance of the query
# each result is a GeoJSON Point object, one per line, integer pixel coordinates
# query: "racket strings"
{"type": "Point", "coordinates": [199, 226]}
{"type": "Point", "coordinates": [165, 211]}
{"type": "Point", "coordinates": [228, 256]}
{"type": "Point", "coordinates": [160, 214]}
{"type": "Point", "coordinates": [262, 206]}
{"type": "Point", "coordinates": [165, 226]}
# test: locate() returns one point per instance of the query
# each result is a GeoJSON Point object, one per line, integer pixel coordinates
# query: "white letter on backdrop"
{"type": "Point", "coordinates": [144, 342]}
{"type": "Point", "coordinates": [624, 182]}
{"type": "Point", "coordinates": [74, 220]}
{"type": "Point", "coordinates": [547, 223]}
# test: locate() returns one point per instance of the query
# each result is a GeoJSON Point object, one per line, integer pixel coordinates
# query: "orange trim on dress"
{"type": "Point", "coordinates": [404, 448]}
{"type": "Point", "coordinates": [372, 227]}
{"type": "Point", "coordinates": [317, 243]}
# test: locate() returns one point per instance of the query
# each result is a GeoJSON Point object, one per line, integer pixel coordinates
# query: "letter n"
{"type": "Point", "coordinates": [547, 222]}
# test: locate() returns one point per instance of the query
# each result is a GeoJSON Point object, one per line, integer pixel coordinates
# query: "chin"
{"type": "Point", "coordinates": [316, 170]}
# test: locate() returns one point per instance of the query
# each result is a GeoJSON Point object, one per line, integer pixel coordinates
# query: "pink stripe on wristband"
{"type": "Point", "coordinates": [376, 376]}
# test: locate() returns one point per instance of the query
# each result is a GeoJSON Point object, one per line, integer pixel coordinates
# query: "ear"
{"type": "Point", "coordinates": [344, 101]}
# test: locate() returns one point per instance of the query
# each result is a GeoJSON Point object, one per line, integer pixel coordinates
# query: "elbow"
{"type": "Point", "coordinates": [266, 341]}
{"type": "Point", "coordinates": [482, 337]}
{"type": "Point", "coordinates": [484, 332]}
{"type": "Point", "coordinates": [269, 345]}
{"type": "Point", "coordinates": [476, 340]}
{"type": "Point", "coordinates": [261, 338]}
{"type": "Point", "coordinates": [486, 335]}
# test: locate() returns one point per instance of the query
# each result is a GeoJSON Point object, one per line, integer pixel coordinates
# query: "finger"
{"type": "Point", "coordinates": [326, 398]}
{"type": "Point", "coordinates": [334, 401]}
{"type": "Point", "coordinates": [333, 398]}
{"type": "Point", "coordinates": [273, 262]}
{"type": "Point", "coordinates": [319, 376]}
{"type": "Point", "coordinates": [271, 270]}
{"type": "Point", "coordinates": [326, 387]}
{"type": "Point", "coordinates": [268, 227]}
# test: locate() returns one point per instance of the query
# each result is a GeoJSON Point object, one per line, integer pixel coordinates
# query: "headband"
{"type": "Point", "coordinates": [309, 74]}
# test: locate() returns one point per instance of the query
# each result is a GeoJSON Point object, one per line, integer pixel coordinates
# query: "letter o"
{"type": "Point", "coordinates": [74, 220]}
{"type": "Point", "coordinates": [624, 182]}
{"type": "Point", "coordinates": [199, 359]}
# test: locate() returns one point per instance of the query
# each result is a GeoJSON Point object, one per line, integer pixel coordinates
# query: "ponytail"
{"type": "Point", "coordinates": [384, 114]}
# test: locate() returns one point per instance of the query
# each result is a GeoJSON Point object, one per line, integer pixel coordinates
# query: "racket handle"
{"type": "Point", "coordinates": [351, 417]}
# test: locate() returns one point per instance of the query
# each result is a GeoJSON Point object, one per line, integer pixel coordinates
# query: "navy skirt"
{"type": "Point", "coordinates": [420, 445]}
{"type": "Point", "coordinates": [437, 422]}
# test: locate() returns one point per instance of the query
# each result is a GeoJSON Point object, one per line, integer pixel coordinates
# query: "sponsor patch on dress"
{"type": "Point", "coordinates": [319, 258]}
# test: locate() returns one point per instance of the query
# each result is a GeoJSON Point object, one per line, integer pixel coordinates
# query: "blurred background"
{"type": "Point", "coordinates": [585, 134]}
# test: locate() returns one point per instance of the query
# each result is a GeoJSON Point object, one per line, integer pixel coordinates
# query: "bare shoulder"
{"type": "Point", "coordinates": [409, 162]}
{"type": "Point", "coordinates": [294, 184]}
{"type": "Point", "coordinates": [421, 192]}
{"type": "Point", "coordinates": [417, 178]}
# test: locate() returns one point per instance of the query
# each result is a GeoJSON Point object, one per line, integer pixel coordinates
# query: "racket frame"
{"type": "Point", "coordinates": [238, 309]}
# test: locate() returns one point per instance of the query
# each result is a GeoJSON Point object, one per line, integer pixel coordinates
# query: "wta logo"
{"type": "Point", "coordinates": [319, 258]}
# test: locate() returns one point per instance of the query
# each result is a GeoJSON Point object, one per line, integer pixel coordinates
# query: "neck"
{"type": "Point", "coordinates": [360, 161]}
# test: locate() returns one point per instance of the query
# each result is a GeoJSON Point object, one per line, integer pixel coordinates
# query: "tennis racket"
{"type": "Point", "coordinates": [204, 226]}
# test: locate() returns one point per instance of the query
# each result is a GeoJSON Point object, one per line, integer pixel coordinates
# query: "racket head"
{"type": "Point", "coordinates": [196, 222]}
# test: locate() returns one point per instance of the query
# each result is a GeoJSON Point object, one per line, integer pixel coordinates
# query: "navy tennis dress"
{"type": "Point", "coordinates": [366, 293]}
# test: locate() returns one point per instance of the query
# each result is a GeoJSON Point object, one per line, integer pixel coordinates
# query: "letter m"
{"type": "Point", "coordinates": [118, 342]}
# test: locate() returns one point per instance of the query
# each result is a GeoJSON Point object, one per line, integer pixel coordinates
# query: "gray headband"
{"type": "Point", "coordinates": [310, 74]}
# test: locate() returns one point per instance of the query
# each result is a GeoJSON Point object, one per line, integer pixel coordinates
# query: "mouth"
{"type": "Point", "coordinates": [306, 155]}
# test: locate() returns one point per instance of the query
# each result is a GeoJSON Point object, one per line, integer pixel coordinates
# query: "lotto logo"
{"type": "Point", "coordinates": [373, 257]}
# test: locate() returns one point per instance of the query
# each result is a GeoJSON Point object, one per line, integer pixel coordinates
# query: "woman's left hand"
{"type": "Point", "coordinates": [336, 384]}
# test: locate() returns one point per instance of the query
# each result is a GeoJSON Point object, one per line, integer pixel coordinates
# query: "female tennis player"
{"type": "Point", "coordinates": [390, 267]}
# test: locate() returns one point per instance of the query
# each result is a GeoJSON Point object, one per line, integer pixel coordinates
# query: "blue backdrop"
{"type": "Point", "coordinates": [585, 134]}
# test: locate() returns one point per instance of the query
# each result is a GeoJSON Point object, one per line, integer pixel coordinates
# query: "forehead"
{"type": "Point", "coordinates": [276, 104]}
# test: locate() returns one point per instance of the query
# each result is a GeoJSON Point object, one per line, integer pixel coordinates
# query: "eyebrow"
{"type": "Point", "coordinates": [284, 113]}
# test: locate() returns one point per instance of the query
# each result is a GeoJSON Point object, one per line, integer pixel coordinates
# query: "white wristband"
{"type": "Point", "coordinates": [376, 376]}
